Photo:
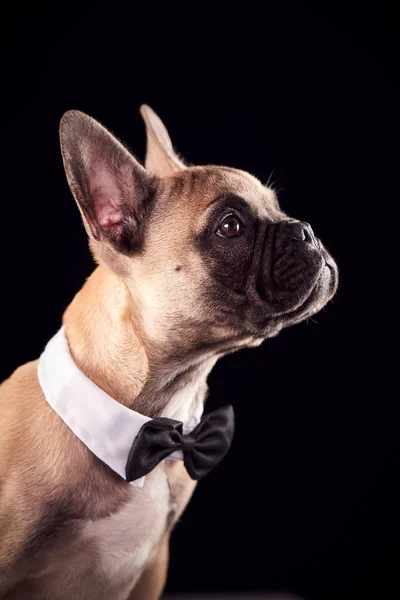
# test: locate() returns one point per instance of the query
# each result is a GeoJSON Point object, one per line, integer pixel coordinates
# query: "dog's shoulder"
{"type": "Point", "coordinates": [20, 399]}
{"type": "Point", "coordinates": [47, 476]}
{"type": "Point", "coordinates": [23, 382]}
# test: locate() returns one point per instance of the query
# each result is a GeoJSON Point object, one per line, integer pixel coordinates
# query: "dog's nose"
{"type": "Point", "coordinates": [303, 232]}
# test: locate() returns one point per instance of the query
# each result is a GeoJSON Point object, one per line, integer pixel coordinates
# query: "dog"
{"type": "Point", "coordinates": [193, 262]}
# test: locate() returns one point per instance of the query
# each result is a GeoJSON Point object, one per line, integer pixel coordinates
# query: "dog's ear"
{"type": "Point", "coordinates": [113, 191]}
{"type": "Point", "coordinates": [160, 157]}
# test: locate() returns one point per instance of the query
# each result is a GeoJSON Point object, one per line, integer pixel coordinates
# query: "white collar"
{"type": "Point", "coordinates": [104, 425]}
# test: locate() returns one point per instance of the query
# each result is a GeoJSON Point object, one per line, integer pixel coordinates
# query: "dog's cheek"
{"type": "Point", "coordinates": [226, 261]}
{"type": "Point", "coordinates": [227, 270]}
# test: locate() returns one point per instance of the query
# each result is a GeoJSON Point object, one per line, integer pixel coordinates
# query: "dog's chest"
{"type": "Point", "coordinates": [104, 558]}
{"type": "Point", "coordinates": [124, 541]}
{"type": "Point", "coordinates": [119, 546]}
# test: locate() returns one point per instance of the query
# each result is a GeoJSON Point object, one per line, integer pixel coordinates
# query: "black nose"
{"type": "Point", "coordinates": [303, 232]}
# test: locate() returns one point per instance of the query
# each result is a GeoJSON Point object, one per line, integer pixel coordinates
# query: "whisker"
{"type": "Point", "coordinates": [269, 178]}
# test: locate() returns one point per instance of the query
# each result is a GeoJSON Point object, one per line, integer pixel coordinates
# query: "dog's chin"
{"type": "Point", "coordinates": [320, 294]}
{"type": "Point", "coordinates": [323, 289]}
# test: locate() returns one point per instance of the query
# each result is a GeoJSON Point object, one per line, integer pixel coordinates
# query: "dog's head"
{"type": "Point", "coordinates": [208, 255]}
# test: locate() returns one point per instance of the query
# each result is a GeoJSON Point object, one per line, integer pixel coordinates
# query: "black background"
{"type": "Point", "coordinates": [308, 499]}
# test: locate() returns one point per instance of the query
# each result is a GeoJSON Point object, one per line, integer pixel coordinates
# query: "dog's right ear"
{"type": "Point", "coordinates": [161, 158]}
{"type": "Point", "coordinates": [113, 191]}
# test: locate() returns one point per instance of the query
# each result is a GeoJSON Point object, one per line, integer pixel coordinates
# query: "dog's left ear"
{"type": "Point", "coordinates": [161, 158]}
{"type": "Point", "coordinates": [113, 191]}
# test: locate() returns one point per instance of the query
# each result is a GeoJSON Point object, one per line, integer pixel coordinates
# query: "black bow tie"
{"type": "Point", "coordinates": [203, 448]}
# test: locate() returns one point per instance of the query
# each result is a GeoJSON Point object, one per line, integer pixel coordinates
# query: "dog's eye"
{"type": "Point", "coordinates": [230, 227]}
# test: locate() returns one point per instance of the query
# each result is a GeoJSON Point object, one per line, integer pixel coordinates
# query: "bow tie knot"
{"type": "Point", "coordinates": [188, 443]}
{"type": "Point", "coordinates": [203, 448]}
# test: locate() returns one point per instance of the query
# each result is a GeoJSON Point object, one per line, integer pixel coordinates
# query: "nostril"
{"type": "Point", "coordinates": [303, 232]}
{"type": "Point", "coordinates": [308, 234]}
{"type": "Point", "coordinates": [307, 237]}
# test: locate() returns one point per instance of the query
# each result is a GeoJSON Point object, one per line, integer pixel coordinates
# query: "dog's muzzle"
{"type": "Point", "coordinates": [296, 268]}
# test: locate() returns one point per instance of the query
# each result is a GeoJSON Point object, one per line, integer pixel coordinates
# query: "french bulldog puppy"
{"type": "Point", "coordinates": [193, 263]}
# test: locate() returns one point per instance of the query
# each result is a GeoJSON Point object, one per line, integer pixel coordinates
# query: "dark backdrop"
{"type": "Point", "coordinates": [307, 500]}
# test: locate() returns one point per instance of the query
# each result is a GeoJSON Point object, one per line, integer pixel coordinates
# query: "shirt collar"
{"type": "Point", "coordinates": [105, 426]}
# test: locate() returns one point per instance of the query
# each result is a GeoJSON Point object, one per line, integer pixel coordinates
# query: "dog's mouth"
{"type": "Point", "coordinates": [320, 292]}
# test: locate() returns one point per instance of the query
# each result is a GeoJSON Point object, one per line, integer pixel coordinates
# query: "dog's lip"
{"type": "Point", "coordinates": [299, 310]}
{"type": "Point", "coordinates": [308, 297]}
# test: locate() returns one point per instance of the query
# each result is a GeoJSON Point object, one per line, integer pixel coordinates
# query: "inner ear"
{"type": "Point", "coordinates": [107, 196]}
{"type": "Point", "coordinates": [113, 191]}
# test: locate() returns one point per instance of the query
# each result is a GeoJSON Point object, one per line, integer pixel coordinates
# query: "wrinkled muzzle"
{"type": "Point", "coordinates": [296, 269]}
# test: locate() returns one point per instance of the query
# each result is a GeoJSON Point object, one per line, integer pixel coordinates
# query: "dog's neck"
{"type": "Point", "coordinates": [106, 340]}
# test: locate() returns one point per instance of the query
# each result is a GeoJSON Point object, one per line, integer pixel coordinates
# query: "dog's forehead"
{"type": "Point", "coordinates": [201, 186]}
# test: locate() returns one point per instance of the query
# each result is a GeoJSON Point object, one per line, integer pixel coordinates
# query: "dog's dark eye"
{"type": "Point", "coordinates": [230, 227]}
